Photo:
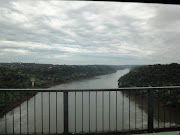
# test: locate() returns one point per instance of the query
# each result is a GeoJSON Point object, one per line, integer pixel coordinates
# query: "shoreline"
{"type": "Point", "coordinates": [145, 99]}
{"type": "Point", "coordinates": [15, 104]}
{"type": "Point", "coordinates": [71, 80]}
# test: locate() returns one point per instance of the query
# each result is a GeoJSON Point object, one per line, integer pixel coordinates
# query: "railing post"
{"type": "Point", "coordinates": [150, 110]}
{"type": "Point", "coordinates": [66, 128]}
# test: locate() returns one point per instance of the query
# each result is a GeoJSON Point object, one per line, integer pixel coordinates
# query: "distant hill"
{"type": "Point", "coordinates": [152, 75]}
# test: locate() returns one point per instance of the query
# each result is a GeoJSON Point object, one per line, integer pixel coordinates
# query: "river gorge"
{"type": "Point", "coordinates": [94, 117]}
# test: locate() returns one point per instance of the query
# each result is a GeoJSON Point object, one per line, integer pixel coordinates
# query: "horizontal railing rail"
{"type": "Point", "coordinates": [54, 111]}
{"type": "Point", "coordinates": [85, 90]}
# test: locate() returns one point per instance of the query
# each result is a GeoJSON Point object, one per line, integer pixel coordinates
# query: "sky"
{"type": "Point", "coordinates": [81, 32]}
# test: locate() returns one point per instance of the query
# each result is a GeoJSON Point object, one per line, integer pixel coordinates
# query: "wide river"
{"type": "Point", "coordinates": [93, 115]}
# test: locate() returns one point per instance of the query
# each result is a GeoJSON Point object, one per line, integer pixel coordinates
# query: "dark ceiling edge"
{"type": "Point", "coordinates": [141, 1]}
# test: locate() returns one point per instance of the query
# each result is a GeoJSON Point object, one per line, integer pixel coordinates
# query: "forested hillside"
{"type": "Point", "coordinates": [17, 75]}
{"type": "Point", "coordinates": [154, 76]}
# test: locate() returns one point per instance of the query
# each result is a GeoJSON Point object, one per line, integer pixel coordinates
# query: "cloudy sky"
{"type": "Point", "coordinates": [79, 32]}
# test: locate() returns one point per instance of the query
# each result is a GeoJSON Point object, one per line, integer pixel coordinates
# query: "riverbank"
{"type": "Point", "coordinates": [71, 80]}
{"type": "Point", "coordinates": [143, 96]}
{"type": "Point", "coordinates": [16, 102]}
{"type": "Point", "coordinates": [155, 76]}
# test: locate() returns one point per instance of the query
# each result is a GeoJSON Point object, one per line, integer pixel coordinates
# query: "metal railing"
{"type": "Point", "coordinates": [45, 111]}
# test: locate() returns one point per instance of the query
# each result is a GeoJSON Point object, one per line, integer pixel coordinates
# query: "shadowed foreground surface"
{"type": "Point", "coordinates": [162, 133]}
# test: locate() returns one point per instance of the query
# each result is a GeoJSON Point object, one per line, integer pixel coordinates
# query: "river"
{"type": "Point", "coordinates": [115, 118]}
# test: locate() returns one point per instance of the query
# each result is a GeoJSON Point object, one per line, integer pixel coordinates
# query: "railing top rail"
{"type": "Point", "coordinates": [87, 90]}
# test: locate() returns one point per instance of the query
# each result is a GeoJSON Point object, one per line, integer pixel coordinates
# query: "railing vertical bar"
{"type": "Point", "coordinates": [116, 110]}
{"type": "Point", "coordinates": [20, 112]}
{"type": "Point", "coordinates": [142, 107]}
{"type": "Point", "coordinates": [13, 110]}
{"type": "Point", "coordinates": [150, 110]}
{"type": "Point", "coordinates": [82, 112]}
{"type": "Point", "coordinates": [49, 114]}
{"type": "Point", "coordinates": [5, 112]}
{"type": "Point", "coordinates": [164, 108]}
{"type": "Point", "coordinates": [176, 120]}
{"type": "Point", "coordinates": [34, 112]}
{"type": "Point", "coordinates": [103, 111]}
{"type": "Point", "coordinates": [75, 112]}
{"type": "Point", "coordinates": [109, 111]}
{"type": "Point", "coordinates": [56, 111]}
{"type": "Point", "coordinates": [135, 109]}
{"type": "Point", "coordinates": [89, 112]}
{"type": "Point", "coordinates": [129, 110]}
{"type": "Point", "coordinates": [66, 120]}
{"type": "Point", "coordinates": [170, 110]}
{"type": "Point", "coordinates": [96, 111]}
{"type": "Point", "coordinates": [123, 111]}
{"type": "Point", "coordinates": [27, 114]}
{"type": "Point", "coordinates": [158, 107]}
{"type": "Point", "coordinates": [42, 109]}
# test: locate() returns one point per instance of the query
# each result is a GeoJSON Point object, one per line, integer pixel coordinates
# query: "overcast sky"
{"type": "Point", "coordinates": [79, 32]}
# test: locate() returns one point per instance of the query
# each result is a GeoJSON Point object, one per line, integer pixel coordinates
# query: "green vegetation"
{"type": "Point", "coordinates": [18, 75]}
{"type": "Point", "coordinates": [154, 76]}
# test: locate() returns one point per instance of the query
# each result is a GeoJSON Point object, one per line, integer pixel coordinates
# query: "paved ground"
{"type": "Point", "coordinates": [162, 133]}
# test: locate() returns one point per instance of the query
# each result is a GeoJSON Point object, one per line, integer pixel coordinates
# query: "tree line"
{"type": "Point", "coordinates": [155, 76]}
{"type": "Point", "coordinates": [18, 75]}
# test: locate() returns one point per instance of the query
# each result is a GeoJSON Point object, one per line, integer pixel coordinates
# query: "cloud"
{"type": "Point", "coordinates": [78, 32]}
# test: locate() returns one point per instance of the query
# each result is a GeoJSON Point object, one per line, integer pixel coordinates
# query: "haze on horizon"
{"type": "Point", "coordinates": [87, 32]}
